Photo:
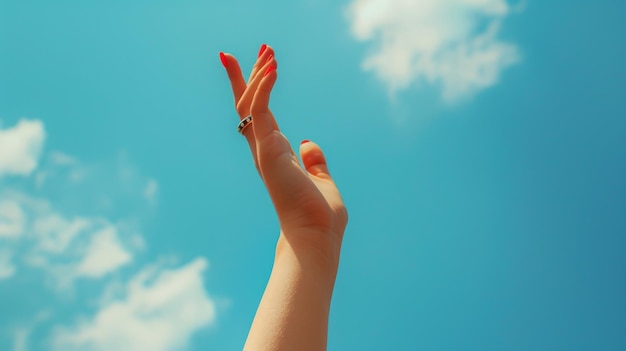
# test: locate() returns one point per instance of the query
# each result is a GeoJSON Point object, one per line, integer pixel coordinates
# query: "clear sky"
{"type": "Point", "coordinates": [479, 145]}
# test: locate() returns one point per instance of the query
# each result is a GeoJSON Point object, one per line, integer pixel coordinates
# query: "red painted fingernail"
{"type": "Point", "coordinates": [304, 141]}
{"type": "Point", "coordinates": [269, 58]}
{"type": "Point", "coordinates": [223, 59]}
{"type": "Point", "coordinates": [270, 69]}
{"type": "Point", "coordinates": [262, 50]}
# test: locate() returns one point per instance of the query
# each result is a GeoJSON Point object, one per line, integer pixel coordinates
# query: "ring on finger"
{"type": "Point", "coordinates": [244, 123]}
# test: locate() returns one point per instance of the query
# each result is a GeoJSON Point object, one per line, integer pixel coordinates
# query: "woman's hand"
{"type": "Point", "coordinates": [293, 313]}
{"type": "Point", "coordinates": [309, 207]}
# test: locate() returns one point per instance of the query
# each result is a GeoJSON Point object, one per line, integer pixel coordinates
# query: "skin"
{"type": "Point", "coordinates": [293, 313]}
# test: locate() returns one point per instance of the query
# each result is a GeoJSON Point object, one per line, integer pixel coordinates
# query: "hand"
{"type": "Point", "coordinates": [309, 207]}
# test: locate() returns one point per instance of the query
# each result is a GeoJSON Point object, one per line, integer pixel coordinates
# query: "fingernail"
{"type": "Point", "coordinates": [223, 59]}
{"type": "Point", "coordinates": [270, 69]}
{"type": "Point", "coordinates": [262, 50]}
{"type": "Point", "coordinates": [269, 58]}
{"type": "Point", "coordinates": [304, 141]}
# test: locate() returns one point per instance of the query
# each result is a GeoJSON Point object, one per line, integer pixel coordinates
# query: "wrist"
{"type": "Point", "coordinates": [311, 250]}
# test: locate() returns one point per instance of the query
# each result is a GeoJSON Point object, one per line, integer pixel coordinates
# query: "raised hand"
{"type": "Point", "coordinates": [309, 207]}
{"type": "Point", "coordinates": [293, 313]}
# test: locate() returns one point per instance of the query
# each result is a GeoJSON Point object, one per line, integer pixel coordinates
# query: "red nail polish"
{"type": "Point", "coordinates": [223, 59]}
{"type": "Point", "coordinates": [304, 141]}
{"type": "Point", "coordinates": [262, 50]}
{"type": "Point", "coordinates": [269, 58]}
{"type": "Point", "coordinates": [270, 69]}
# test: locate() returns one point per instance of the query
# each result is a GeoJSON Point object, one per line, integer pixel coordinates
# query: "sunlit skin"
{"type": "Point", "coordinates": [293, 312]}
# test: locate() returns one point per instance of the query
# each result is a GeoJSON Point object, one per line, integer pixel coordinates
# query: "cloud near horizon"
{"type": "Point", "coordinates": [451, 44]}
{"type": "Point", "coordinates": [158, 312]}
{"type": "Point", "coordinates": [58, 220]}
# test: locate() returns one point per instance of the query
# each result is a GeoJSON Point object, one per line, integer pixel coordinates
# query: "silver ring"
{"type": "Point", "coordinates": [244, 123]}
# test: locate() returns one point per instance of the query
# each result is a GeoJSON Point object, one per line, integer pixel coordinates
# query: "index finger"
{"type": "Point", "coordinates": [237, 82]}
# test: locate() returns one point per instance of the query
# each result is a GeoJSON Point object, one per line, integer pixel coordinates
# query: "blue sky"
{"type": "Point", "coordinates": [479, 146]}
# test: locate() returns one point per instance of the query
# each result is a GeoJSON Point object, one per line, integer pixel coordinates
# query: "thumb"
{"type": "Point", "coordinates": [313, 159]}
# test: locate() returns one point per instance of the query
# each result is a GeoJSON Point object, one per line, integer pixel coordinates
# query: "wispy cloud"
{"type": "Point", "coordinates": [159, 311]}
{"type": "Point", "coordinates": [68, 248]}
{"type": "Point", "coordinates": [59, 158]}
{"type": "Point", "coordinates": [151, 191]}
{"type": "Point", "coordinates": [35, 228]}
{"type": "Point", "coordinates": [20, 340]}
{"type": "Point", "coordinates": [104, 254]}
{"type": "Point", "coordinates": [21, 334]}
{"type": "Point", "coordinates": [452, 44]}
{"type": "Point", "coordinates": [49, 224]}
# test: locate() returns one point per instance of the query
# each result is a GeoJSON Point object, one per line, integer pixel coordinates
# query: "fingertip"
{"type": "Point", "coordinates": [266, 57]}
{"type": "Point", "coordinates": [224, 60]}
{"type": "Point", "coordinates": [308, 147]}
{"type": "Point", "coordinates": [266, 54]}
{"type": "Point", "coordinates": [270, 69]}
{"type": "Point", "coordinates": [262, 49]}
{"type": "Point", "coordinates": [313, 159]}
{"type": "Point", "coordinates": [230, 63]}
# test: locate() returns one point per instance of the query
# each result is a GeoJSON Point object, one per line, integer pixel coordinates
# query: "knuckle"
{"type": "Point", "coordinates": [242, 109]}
{"type": "Point", "coordinates": [255, 110]}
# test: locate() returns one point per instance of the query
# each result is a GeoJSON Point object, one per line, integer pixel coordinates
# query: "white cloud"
{"type": "Point", "coordinates": [20, 147]}
{"type": "Point", "coordinates": [59, 228]}
{"type": "Point", "coordinates": [58, 163]}
{"type": "Point", "coordinates": [55, 233]}
{"type": "Point", "coordinates": [51, 231]}
{"type": "Point", "coordinates": [37, 232]}
{"type": "Point", "coordinates": [160, 311]}
{"type": "Point", "coordinates": [66, 247]}
{"type": "Point", "coordinates": [449, 43]}
{"type": "Point", "coordinates": [82, 247]}
{"type": "Point", "coordinates": [12, 219]}
{"type": "Point", "coordinates": [105, 254]}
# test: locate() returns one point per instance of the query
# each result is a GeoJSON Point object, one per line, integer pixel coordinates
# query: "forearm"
{"type": "Point", "coordinates": [293, 313]}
